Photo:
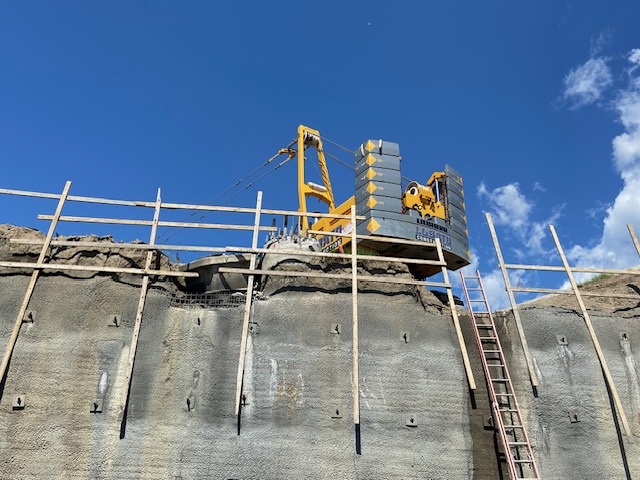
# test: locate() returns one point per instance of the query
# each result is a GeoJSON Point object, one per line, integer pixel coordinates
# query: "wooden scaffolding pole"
{"type": "Point", "coordinates": [32, 283]}
{"type": "Point", "coordinates": [514, 306]}
{"type": "Point", "coordinates": [121, 221]}
{"type": "Point", "coordinates": [124, 401]}
{"type": "Point", "coordinates": [98, 269]}
{"type": "Point", "coordinates": [247, 310]}
{"type": "Point", "coordinates": [354, 328]}
{"type": "Point", "coordinates": [456, 320]}
{"type": "Point", "coordinates": [587, 320]}
{"type": "Point", "coordinates": [172, 206]}
{"type": "Point", "coordinates": [345, 276]}
{"type": "Point", "coordinates": [634, 238]}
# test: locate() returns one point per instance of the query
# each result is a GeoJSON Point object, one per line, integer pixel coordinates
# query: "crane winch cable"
{"type": "Point", "coordinates": [257, 179]}
{"type": "Point", "coordinates": [333, 157]}
{"type": "Point", "coordinates": [337, 145]}
{"type": "Point", "coordinates": [164, 235]}
{"type": "Point", "coordinates": [178, 229]}
{"type": "Point", "coordinates": [210, 202]}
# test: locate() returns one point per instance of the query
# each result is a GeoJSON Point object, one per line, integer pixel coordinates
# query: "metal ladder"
{"type": "Point", "coordinates": [505, 412]}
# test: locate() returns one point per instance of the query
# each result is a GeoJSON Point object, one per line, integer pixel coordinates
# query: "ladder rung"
{"type": "Point", "coordinates": [477, 301]}
{"type": "Point", "coordinates": [500, 380]}
{"type": "Point", "coordinates": [492, 351]}
{"type": "Point", "coordinates": [523, 461]}
{"type": "Point", "coordinates": [488, 338]}
{"type": "Point", "coordinates": [517, 444]}
{"type": "Point", "coordinates": [514, 426]}
{"type": "Point", "coordinates": [484, 325]}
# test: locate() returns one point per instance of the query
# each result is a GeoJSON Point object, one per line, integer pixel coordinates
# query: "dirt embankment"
{"type": "Point", "coordinates": [394, 271]}
{"type": "Point", "coordinates": [608, 285]}
{"type": "Point", "coordinates": [101, 255]}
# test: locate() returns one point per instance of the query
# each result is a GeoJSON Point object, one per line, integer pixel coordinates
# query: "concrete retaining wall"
{"type": "Point", "coordinates": [298, 373]}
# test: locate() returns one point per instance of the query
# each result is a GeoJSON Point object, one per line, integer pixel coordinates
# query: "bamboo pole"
{"type": "Point", "coordinates": [587, 320]}
{"type": "Point", "coordinates": [247, 310]}
{"type": "Point", "coordinates": [514, 307]}
{"type": "Point", "coordinates": [456, 321]}
{"type": "Point", "coordinates": [32, 283]}
{"type": "Point", "coordinates": [136, 329]}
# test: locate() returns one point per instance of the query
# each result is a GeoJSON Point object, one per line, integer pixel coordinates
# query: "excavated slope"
{"type": "Point", "coordinates": [297, 376]}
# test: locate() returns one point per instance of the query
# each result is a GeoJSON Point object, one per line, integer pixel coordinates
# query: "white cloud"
{"type": "Point", "coordinates": [537, 187]}
{"type": "Point", "coordinates": [634, 59]}
{"type": "Point", "coordinates": [626, 146]}
{"type": "Point", "coordinates": [600, 42]}
{"type": "Point", "coordinates": [614, 249]}
{"type": "Point", "coordinates": [586, 83]}
{"type": "Point", "coordinates": [509, 207]}
{"type": "Point", "coordinates": [493, 285]}
{"type": "Point", "coordinates": [599, 209]}
{"type": "Point", "coordinates": [494, 288]}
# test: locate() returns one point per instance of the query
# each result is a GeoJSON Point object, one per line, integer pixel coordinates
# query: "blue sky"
{"type": "Point", "coordinates": [537, 104]}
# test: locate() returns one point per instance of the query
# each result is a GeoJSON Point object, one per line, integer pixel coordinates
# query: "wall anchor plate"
{"type": "Point", "coordinates": [411, 420]}
{"type": "Point", "coordinates": [18, 402]}
{"type": "Point", "coordinates": [96, 406]}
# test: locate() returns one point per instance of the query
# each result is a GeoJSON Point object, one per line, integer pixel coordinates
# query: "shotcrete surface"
{"type": "Point", "coordinates": [417, 417]}
{"type": "Point", "coordinates": [571, 382]}
{"type": "Point", "coordinates": [297, 374]}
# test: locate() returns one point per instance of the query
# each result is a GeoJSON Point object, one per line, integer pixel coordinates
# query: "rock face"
{"type": "Point", "coordinates": [99, 255]}
{"type": "Point", "coordinates": [297, 416]}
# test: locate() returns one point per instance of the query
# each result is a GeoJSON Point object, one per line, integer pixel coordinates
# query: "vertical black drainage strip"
{"type": "Point", "coordinates": [499, 457]}
{"type": "Point", "coordinates": [125, 414]}
{"type": "Point", "coordinates": [616, 423]}
{"type": "Point", "coordinates": [358, 448]}
{"type": "Point", "coordinates": [240, 403]}
{"type": "Point", "coordinates": [123, 424]}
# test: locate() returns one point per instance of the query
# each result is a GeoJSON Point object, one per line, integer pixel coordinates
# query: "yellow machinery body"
{"type": "Point", "coordinates": [429, 203]}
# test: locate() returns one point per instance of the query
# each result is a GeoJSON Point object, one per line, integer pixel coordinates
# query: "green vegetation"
{"type": "Point", "coordinates": [596, 279]}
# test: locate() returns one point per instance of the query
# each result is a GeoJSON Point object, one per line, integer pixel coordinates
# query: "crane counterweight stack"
{"type": "Point", "coordinates": [418, 214]}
